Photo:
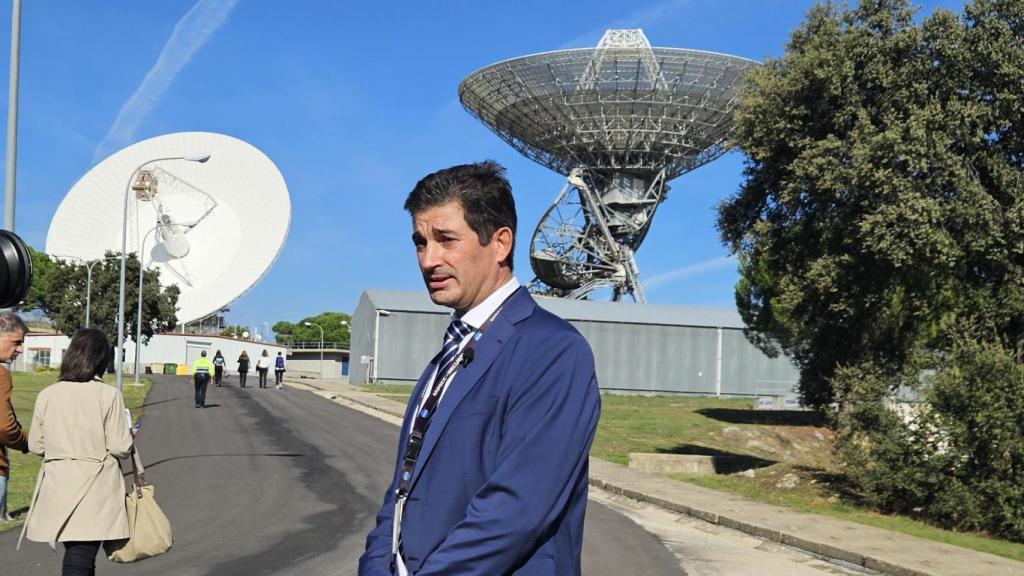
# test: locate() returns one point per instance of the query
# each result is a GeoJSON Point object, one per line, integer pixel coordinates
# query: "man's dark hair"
{"type": "Point", "coordinates": [482, 191]}
{"type": "Point", "coordinates": [11, 323]}
{"type": "Point", "coordinates": [86, 357]}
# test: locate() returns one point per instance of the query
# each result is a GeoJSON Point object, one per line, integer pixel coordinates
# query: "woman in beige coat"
{"type": "Point", "coordinates": [80, 430]}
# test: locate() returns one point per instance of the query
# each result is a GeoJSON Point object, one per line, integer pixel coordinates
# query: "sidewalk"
{"type": "Point", "coordinates": [873, 548]}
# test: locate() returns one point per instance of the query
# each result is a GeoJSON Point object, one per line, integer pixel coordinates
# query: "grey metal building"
{"type": "Point", "coordinates": [637, 347]}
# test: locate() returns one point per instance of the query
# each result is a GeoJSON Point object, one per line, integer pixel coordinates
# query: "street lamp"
{"type": "Point", "coordinates": [345, 324]}
{"type": "Point", "coordinates": [142, 272]}
{"type": "Point", "coordinates": [88, 278]}
{"type": "Point", "coordinates": [124, 256]}
{"type": "Point", "coordinates": [321, 345]}
{"type": "Point", "coordinates": [376, 338]}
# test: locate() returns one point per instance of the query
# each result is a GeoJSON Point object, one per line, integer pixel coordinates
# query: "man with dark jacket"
{"type": "Point", "coordinates": [491, 473]}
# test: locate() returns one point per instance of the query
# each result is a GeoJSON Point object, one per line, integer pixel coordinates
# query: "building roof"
{"type": "Point", "coordinates": [581, 310]}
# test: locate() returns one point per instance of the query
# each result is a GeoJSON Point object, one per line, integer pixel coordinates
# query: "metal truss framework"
{"type": "Point", "coordinates": [619, 120]}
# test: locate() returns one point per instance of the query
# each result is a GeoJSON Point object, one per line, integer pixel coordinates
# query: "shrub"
{"type": "Point", "coordinates": [958, 459]}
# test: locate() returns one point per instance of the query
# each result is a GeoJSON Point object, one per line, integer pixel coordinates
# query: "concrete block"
{"type": "Point", "coordinates": [682, 463]}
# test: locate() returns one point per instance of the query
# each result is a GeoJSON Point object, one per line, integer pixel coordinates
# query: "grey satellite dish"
{"type": "Point", "coordinates": [620, 121]}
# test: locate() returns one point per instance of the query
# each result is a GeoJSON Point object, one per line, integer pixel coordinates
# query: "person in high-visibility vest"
{"type": "Point", "coordinates": [202, 368]}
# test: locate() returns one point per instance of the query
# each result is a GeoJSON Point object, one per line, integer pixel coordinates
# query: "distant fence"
{"type": "Point", "coordinates": [313, 345]}
{"type": "Point", "coordinates": [775, 388]}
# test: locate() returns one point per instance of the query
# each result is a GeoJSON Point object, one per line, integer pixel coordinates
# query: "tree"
{"type": "Point", "coordinates": [880, 235]}
{"type": "Point", "coordinates": [882, 198]}
{"type": "Point", "coordinates": [235, 331]}
{"type": "Point", "coordinates": [331, 322]}
{"type": "Point", "coordinates": [64, 299]}
{"type": "Point", "coordinates": [283, 331]}
{"type": "Point", "coordinates": [42, 271]}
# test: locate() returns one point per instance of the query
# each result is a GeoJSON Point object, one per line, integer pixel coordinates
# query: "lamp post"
{"type": "Point", "coordinates": [376, 338]}
{"type": "Point", "coordinates": [118, 360]}
{"type": "Point", "coordinates": [142, 273]}
{"type": "Point", "coordinates": [321, 345]}
{"type": "Point", "coordinates": [88, 278]}
{"type": "Point", "coordinates": [12, 116]}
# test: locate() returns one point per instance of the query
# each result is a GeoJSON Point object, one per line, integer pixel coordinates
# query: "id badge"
{"type": "Point", "coordinates": [396, 524]}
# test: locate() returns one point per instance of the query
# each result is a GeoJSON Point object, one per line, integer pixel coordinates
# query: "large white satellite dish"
{"type": "Point", "coordinates": [231, 213]}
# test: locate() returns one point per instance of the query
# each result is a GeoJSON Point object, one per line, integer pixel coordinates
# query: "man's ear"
{"type": "Point", "coordinates": [502, 238]}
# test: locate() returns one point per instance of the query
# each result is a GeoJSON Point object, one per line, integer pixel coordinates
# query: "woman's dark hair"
{"type": "Point", "coordinates": [86, 357]}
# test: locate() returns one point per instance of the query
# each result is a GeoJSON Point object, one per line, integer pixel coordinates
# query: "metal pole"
{"type": "Point", "coordinates": [718, 363]}
{"type": "Point", "coordinates": [376, 336]}
{"type": "Point", "coordinates": [138, 316]}
{"type": "Point", "coordinates": [118, 357]}
{"type": "Point", "coordinates": [308, 323]}
{"type": "Point", "coordinates": [88, 290]}
{"type": "Point", "coordinates": [12, 116]}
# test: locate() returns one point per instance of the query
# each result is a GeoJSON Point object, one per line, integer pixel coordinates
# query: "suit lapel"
{"type": "Point", "coordinates": [519, 306]}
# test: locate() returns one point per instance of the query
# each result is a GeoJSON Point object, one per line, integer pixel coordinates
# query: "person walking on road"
{"type": "Point", "coordinates": [202, 369]}
{"type": "Point", "coordinates": [218, 368]}
{"type": "Point", "coordinates": [491, 476]}
{"type": "Point", "coordinates": [80, 429]}
{"type": "Point", "coordinates": [279, 371]}
{"type": "Point", "coordinates": [243, 367]}
{"type": "Point", "coordinates": [262, 367]}
{"type": "Point", "coordinates": [12, 336]}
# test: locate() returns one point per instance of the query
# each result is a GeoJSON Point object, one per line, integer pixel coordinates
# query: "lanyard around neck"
{"type": "Point", "coordinates": [422, 418]}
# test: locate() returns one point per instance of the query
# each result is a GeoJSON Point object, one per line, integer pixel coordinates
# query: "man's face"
{"type": "Point", "coordinates": [10, 345]}
{"type": "Point", "coordinates": [458, 271]}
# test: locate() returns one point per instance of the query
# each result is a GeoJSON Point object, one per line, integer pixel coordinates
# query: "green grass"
{"type": "Point", "coordinates": [780, 442]}
{"type": "Point", "coordinates": [815, 498]}
{"type": "Point", "coordinates": [774, 443]}
{"type": "Point", "coordinates": [390, 390]}
{"type": "Point", "coordinates": [25, 467]}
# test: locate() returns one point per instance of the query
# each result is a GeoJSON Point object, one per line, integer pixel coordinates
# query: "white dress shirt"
{"type": "Point", "coordinates": [475, 318]}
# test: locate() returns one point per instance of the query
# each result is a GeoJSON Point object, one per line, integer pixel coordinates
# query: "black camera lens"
{"type": "Point", "coordinates": [15, 269]}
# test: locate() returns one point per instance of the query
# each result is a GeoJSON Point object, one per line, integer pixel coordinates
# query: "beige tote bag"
{"type": "Point", "coordinates": [148, 528]}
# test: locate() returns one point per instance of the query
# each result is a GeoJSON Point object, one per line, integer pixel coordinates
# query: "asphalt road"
{"type": "Point", "coordinates": [268, 482]}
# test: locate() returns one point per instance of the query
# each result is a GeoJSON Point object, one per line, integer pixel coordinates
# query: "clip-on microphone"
{"type": "Point", "coordinates": [467, 357]}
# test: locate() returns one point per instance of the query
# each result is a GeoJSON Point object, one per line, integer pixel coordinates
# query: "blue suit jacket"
{"type": "Point", "coordinates": [500, 486]}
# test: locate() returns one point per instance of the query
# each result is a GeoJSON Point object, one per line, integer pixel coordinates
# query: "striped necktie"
{"type": "Point", "coordinates": [453, 337]}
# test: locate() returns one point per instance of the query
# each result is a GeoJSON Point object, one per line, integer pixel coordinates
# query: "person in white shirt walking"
{"type": "Point", "coordinates": [262, 367]}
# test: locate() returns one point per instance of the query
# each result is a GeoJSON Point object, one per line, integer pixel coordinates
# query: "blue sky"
{"type": "Point", "coordinates": [354, 102]}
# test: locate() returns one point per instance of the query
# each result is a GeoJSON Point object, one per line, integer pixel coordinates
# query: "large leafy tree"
{"type": "Point", "coordinates": [64, 299]}
{"type": "Point", "coordinates": [883, 202]}
{"type": "Point", "coordinates": [880, 234]}
{"type": "Point", "coordinates": [335, 330]}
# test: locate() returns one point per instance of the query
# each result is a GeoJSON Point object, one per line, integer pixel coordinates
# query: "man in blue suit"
{"type": "Point", "coordinates": [491, 475]}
